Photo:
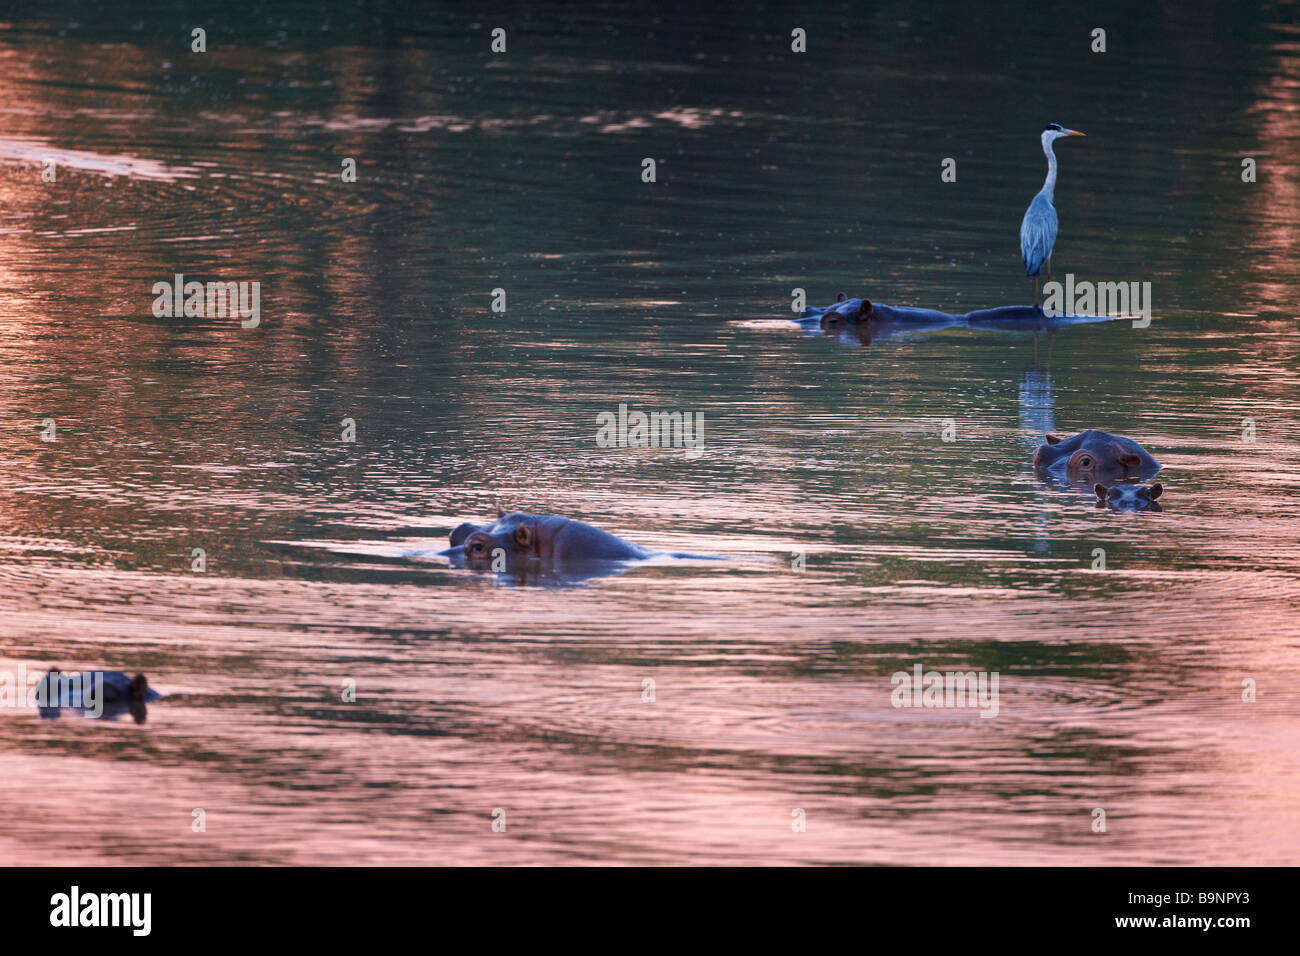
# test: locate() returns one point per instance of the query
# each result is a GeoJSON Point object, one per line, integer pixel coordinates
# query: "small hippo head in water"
{"type": "Point", "coordinates": [516, 535]}
{"type": "Point", "coordinates": [94, 694]}
{"type": "Point", "coordinates": [1129, 497]}
{"type": "Point", "coordinates": [1094, 456]}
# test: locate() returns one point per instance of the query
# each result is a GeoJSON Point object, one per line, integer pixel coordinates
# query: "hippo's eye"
{"type": "Point", "coordinates": [1085, 462]}
{"type": "Point", "coordinates": [476, 549]}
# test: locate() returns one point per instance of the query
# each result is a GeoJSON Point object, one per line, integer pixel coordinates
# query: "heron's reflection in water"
{"type": "Point", "coordinates": [1037, 418]}
{"type": "Point", "coordinates": [1037, 405]}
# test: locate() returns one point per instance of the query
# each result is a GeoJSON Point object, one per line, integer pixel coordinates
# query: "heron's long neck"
{"type": "Point", "coordinates": [1049, 184]}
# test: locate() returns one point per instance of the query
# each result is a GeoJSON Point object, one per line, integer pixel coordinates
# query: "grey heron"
{"type": "Point", "coordinates": [1038, 228]}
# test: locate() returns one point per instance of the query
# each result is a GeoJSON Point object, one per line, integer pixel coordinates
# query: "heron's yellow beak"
{"type": "Point", "coordinates": [1075, 132]}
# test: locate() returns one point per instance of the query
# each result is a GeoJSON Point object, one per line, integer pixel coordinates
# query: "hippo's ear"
{"type": "Point", "coordinates": [841, 297]}
{"type": "Point", "coordinates": [1101, 491]}
{"type": "Point", "coordinates": [500, 511]}
{"type": "Point", "coordinates": [1053, 440]}
{"type": "Point", "coordinates": [1157, 490]}
{"type": "Point", "coordinates": [524, 536]}
{"type": "Point", "coordinates": [866, 309]}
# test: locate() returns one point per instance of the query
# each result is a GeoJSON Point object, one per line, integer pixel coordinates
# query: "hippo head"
{"type": "Point", "coordinates": [1094, 456]}
{"type": "Point", "coordinates": [1129, 497]}
{"type": "Point", "coordinates": [845, 310]}
{"type": "Point", "coordinates": [515, 534]}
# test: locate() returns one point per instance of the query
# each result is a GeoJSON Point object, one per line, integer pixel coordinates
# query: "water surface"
{"type": "Point", "coordinates": [1120, 688]}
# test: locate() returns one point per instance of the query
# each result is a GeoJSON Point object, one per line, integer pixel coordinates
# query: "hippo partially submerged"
{"type": "Point", "coordinates": [1129, 497]}
{"type": "Point", "coordinates": [94, 694]}
{"type": "Point", "coordinates": [519, 535]}
{"type": "Point", "coordinates": [1094, 456]}
{"type": "Point", "coordinates": [516, 536]}
{"type": "Point", "coordinates": [846, 312]}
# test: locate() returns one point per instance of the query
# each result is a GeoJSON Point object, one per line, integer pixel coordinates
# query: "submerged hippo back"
{"type": "Point", "coordinates": [906, 314]}
{"type": "Point", "coordinates": [571, 540]}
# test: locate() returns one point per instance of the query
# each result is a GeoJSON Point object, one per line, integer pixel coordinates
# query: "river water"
{"type": "Point", "coordinates": [859, 541]}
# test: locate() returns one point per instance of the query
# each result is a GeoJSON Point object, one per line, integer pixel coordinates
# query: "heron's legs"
{"type": "Point", "coordinates": [1035, 303]}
